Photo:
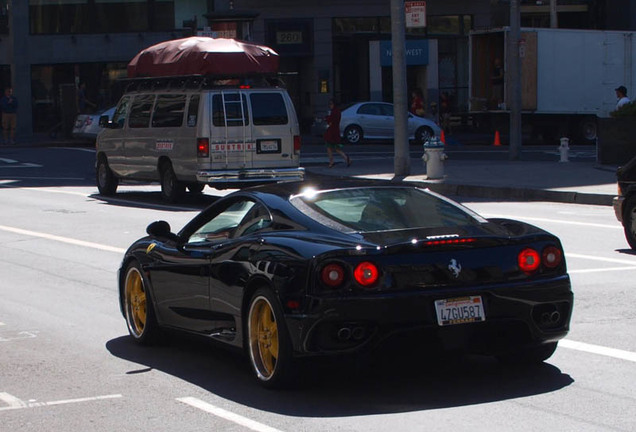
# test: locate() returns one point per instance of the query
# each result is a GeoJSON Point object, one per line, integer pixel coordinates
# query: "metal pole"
{"type": "Point", "coordinates": [402, 161]}
{"type": "Point", "coordinates": [514, 81]}
{"type": "Point", "coordinates": [554, 19]}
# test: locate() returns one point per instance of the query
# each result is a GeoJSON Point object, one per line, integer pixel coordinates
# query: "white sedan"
{"type": "Point", "coordinates": [87, 125]}
{"type": "Point", "coordinates": [374, 120]}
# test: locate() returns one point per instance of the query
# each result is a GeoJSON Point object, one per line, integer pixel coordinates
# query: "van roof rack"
{"type": "Point", "coordinates": [200, 82]}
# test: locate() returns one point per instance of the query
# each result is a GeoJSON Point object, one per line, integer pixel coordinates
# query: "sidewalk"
{"type": "Point", "coordinates": [580, 181]}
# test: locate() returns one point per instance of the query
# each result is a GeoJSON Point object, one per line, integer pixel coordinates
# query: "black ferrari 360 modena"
{"type": "Point", "coordinates": [292, 270]}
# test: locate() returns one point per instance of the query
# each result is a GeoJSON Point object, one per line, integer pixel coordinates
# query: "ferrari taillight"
{"type": "Point", "coordinates": [332, 275]}
{"type": "Point", "coordinates": [366, 274]}
{"type": "Point", "coordinates": [552, 256]}
{"type": "Point", "coordinates": [203, 147]}
{"type": "Point", "coordinates": [529, 260]}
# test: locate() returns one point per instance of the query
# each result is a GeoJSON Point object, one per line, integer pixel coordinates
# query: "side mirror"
{"type": "Point", "coordinates": [161, 230]}
{"type": "Point", "coordinates": [104, 121]}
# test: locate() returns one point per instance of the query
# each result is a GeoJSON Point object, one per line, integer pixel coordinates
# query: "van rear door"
{"type": "Point", "coordinates": [231, 142]}
{"type": "Point", "coordinates": [275, 127]}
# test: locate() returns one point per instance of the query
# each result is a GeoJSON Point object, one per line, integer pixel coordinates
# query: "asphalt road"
{"type": "Point", "coordinates": [68, 364]}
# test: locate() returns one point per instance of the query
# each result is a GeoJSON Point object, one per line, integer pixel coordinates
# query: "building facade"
{"type": "Point", "coordinates": [329, 48]}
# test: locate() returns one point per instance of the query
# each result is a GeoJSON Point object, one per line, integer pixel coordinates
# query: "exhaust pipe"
{"type": "Point", "coordinates": [358, 333]}
{"type": "Point", "coordinates": [344, 334]}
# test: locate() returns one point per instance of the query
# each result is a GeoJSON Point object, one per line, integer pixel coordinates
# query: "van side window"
{"type": "Point", "coordinates": [140, 111]}
{"type": "Point", "coordinates": [235, 109]}
{"type": "Point", "coordinates": [169, 110]}
{"type": "Point", "coordinates": [119, 117]}
{"type": "Point", "coordinates": [193, 110]}
{"type": "Point", "coordinates": [268, 109]}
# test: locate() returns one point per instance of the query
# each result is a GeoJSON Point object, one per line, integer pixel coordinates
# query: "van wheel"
{"type": "Point", "coordinates": [106, 180]}
{"type": "Point", "coordinates": [195, 187]}
{"type": "Point", "coordinates": [172, 189]}
{"type": "Point", "coordinates": [423, 134]}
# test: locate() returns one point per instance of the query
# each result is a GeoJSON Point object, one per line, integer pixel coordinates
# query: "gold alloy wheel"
{"type": "Point", "coordinates": [135, 302]}
{"type": "Point", "coordinates": [263, 333]}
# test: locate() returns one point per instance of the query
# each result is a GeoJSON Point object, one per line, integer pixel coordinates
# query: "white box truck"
{"type": "Point", "coordinates": [568, 79]}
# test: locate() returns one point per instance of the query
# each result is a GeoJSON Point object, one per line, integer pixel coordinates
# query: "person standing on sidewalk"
{"type": "Point", "coordinates": [9, 109]}
{"type": "Point", "coordinates": [332, 135]}
{"type": "Point", "coordinates": [621, 95]}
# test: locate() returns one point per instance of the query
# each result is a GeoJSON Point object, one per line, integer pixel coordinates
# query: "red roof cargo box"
{"type": "Point", "coordinates": [203, 56]}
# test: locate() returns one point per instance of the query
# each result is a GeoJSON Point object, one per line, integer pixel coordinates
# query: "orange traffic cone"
{"type": "Point", "coordinates": [497, 142]}
{"type": "Point", "coordinates": [442, 137]}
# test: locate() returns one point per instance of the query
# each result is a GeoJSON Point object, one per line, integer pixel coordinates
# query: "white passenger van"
{"type": "Point", "coordinates": [192, 132]}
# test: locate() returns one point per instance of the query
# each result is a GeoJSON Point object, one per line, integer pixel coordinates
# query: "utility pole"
{"type": "Point", "coordinates": [554, 19]}
{"type": "Point", "coordinates": [514, 81]}
{"type": "Point", "coordinates": [402, 161]}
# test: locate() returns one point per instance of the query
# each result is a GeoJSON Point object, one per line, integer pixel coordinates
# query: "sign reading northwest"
{"type": "Point", "coordinates": [415, 14]}
{"type": "Point", "coordinates": [416, 52]}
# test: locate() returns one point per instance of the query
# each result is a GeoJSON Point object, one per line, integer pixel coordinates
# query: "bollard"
{"type": "Point", "coordinates": [564, 149]}
{"type": "Point", "coordinates": [434, 158]}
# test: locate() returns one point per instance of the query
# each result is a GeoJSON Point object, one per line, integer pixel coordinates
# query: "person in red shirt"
{"type": "Point", "coordinates": [332, 135]}
{"type": "Point", "coordinates": [417, 104]}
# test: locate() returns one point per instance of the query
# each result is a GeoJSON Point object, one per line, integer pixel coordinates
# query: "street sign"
{"type": "Point", "coordinates": [415, 14]}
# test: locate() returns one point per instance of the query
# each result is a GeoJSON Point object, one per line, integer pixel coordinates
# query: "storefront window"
{"type": "Point", "coordinates": [100, 16]}
{"type": "Point", "coordinates": [53, 88]}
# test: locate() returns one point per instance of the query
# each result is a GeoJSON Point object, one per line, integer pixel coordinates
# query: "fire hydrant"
{"type": "Point", "coordinates": [434, 158]}
{"type": "Point", "coordinates": [564, 149]}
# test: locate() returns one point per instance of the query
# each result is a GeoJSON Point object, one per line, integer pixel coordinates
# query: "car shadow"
{"type": "Point", "coordinates": [389, 382]}
{"type": "Point", "coordinates": [626, 251]}
{"type": "Point", "coordinates": [145, 199]}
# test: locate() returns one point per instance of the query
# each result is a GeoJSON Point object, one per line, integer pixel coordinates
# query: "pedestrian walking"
{"type": "Point", "coordinates": [9, 109]}
{"type": "Point", "coordinates": [332, 135]}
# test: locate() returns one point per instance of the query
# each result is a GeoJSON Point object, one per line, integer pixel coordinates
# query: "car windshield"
{"type": "Point", "coordinates": [370, 209]}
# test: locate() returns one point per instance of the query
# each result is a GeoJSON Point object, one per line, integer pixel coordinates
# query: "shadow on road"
{"type": "Point", "coordinates": [386, 383]}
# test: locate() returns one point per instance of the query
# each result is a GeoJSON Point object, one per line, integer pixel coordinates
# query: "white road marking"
{"type": "Point", "coordinates": [603, 259]}
{"type": "Point", "coordinates": [560, 221]}
{"type": "Point", "coordinates": [601, 270]}
{"type": "Point", "coordinates": [227, 415]}
{"type": "Point", "coordinates": [597, 349]}
{"type": "Point", "coordinates": [15, 403]}
{"type": "Point", "coordinates": [9, 161]}
{"type": "Point", "coordinates": [63, 239]}
{"type": "Point", "coordinates": [19, 335]}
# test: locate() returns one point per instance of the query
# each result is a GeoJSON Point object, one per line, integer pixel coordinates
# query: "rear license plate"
{"type": "Point", "coordinates": [459, 310]}
{"type": "Point", "coordinates": [268, 146]}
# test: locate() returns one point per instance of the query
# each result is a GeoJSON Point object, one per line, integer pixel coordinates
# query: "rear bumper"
{"type": "Point", "coordinates": [251, 175]}
{"type": "Point", "coordinates": [516, 316]}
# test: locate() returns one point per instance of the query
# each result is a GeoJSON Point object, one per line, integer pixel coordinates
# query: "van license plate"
{"type": "Point", "coordinates": [268, 146]}
{"type": "Point", "coordinates": [460, 310]}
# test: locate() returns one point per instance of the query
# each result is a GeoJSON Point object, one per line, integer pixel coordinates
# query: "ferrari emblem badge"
{"type": "Point", "coordinates": [455, 268]}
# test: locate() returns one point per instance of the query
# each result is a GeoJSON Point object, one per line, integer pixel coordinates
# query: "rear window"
{"type": "Point", "coordinates": [383, 209]}
{"type": "Point", "coordinates": [140, 111]}
{"type": "Point", "coordinates": [229, 109]}
{"type": "Point", "coordinates": [169, 110]}
{"type": "Point", "coordinates": [268, 109]}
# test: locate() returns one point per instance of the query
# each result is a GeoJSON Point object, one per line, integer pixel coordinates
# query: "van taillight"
{"type": "Point", "coordinates": [203, 147]}
{"type": "Point", "coordinates": [297, 143]}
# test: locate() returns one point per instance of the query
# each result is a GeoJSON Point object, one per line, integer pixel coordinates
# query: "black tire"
{"type": "Point", "coordinates": [106, 180]}
{"type": "Point", "coordinates": [529, 356]}
{"type": "Point", "coordinates": [588, 129]}
{"type": "Point", "coordinates": [423, 134]}
{"type": "Point", "coordinates": [267, 341]}
{"type": "Point", "coordinates": [138, 307]}
{"type": "Point", "coordinates": [172, 190]}
{"type": "Point", "coordinates": [353, 134]}
{"type": "Point", "coordinates": [195, 187]}
{"type": "Point", "coordinates": [629, 221]}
